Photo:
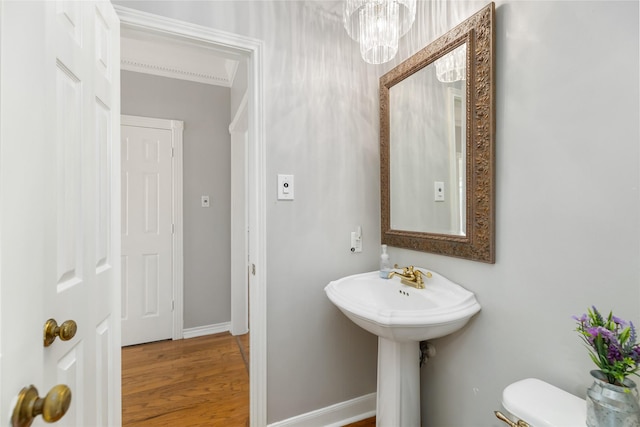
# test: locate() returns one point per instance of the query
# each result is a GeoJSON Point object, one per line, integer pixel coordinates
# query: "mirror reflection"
{"type": "Point", "coordinates": [428, 148]}
{"type": "Point", "coordinates": [437, 155]}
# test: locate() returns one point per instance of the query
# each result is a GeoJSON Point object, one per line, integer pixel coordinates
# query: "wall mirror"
{"type": "Point", "coordinates": [437, 120]}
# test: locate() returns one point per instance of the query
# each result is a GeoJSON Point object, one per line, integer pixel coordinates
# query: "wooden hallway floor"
{"type": "Point", "coordinates": [201, 381]}
{"type": "Point", "coordinates": [195, 382]}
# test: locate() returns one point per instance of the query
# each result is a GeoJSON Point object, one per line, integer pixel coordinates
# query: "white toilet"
{"type": "Point", "coordinates": [540, 404]}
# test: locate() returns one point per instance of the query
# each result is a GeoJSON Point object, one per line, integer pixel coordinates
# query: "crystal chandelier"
{"type": "Point", "coordinates": [453, 66]}
{"type": "Point", "coordinates": [378, 25]}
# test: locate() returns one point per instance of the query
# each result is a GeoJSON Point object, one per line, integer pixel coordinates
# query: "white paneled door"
{"type": "Point", "coordinates": [147, 232]}
{"type": "Point", "coordinates": [60, 209]}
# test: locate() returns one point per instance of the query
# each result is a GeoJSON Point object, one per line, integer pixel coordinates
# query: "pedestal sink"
{"type": "Point", "coordinates": [401, 317]}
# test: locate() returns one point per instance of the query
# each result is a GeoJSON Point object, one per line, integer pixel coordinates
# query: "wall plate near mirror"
{"type": "Point", "coordinates": [437, 137]}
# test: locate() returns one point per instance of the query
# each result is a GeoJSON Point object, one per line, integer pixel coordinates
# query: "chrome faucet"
{"type": "Point", "coordinates": [410, 276]}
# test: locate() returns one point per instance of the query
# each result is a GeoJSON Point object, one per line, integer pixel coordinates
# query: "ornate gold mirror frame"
{"type": "Point", "coordinates": [478, 241]}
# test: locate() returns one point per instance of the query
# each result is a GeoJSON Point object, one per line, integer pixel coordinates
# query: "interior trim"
{"type": "Point", "coordinates": [200, 331]}
{"type": "Point", "coordinates": [172, 72]}
{"type": "Point", "coordinates": [252, 50]}
{"type": "Point", "coordinates": [337, 415]}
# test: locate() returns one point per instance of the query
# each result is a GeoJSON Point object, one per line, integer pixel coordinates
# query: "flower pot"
{"type": "Point", "coordinates": [610, 405]}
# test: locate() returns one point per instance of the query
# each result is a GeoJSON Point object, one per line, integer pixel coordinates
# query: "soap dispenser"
{"type": "Point", "coordinates": [385, 264]}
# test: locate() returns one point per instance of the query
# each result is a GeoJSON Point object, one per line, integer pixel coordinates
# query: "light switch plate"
{"type": "Point", "coordinates": [356, 242]}
{"type": "Point", "coordinates": [285, 187]}
{"type": "Point", "coordinates": [438, 191]}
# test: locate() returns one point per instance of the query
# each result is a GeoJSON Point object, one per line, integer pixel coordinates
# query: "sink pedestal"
{"type": "Point", "coordinates": [401, 317]}
{"type": "Point", "coordinates": [398, 396]}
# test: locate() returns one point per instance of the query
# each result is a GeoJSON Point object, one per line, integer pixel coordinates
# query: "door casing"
{"type": "Point", "coordinates": [252, 50]}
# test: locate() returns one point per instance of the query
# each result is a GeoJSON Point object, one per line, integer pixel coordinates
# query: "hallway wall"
{"type": "Point", "coordinates": [207, 171]}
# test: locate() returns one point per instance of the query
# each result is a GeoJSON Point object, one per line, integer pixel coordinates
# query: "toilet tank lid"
{"type": "Point", "coordinates": [542, 405]}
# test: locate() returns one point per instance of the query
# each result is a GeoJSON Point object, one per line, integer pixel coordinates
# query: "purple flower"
{"type": "Point", "coordinates": [581, 319]}
{"type": "Point", "coordinates": [606, 334]}
{"type": "Point", "coordinates": [611, 342]}
{"type": "Point", "coordinates": [619, 321]}
{"type": "Point", "coordinates": [614, 354]}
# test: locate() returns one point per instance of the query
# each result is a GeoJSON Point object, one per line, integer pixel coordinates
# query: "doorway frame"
{"type": "Point", "coordinates": [176, 128]}
{"type": "Point", "coordinates": [255, 188]}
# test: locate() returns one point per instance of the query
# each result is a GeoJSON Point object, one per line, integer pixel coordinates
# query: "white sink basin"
{"type": "Point", "coordinates": [401, 316]}
{"type": "Point", "coordinates": [391, 310]}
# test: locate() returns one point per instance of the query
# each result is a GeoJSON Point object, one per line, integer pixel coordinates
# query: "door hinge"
{"type": "Point", "coordinates": [253, 269]}
{"type": "Point", "coordinates": [173, 305]}
{"type": "Point", "coordinates": [173, 152]}
{"type": "Point", "coordinates": [173, 229]}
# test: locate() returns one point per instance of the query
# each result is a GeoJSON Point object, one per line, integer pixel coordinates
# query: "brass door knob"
{"type": "Point", "coordinates": [66, 331]}
{"type": "Point", "coordinates": [53, 407]}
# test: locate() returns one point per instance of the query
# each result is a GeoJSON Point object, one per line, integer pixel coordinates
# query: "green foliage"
{"type": "Point", "coordinates": [612, 344]}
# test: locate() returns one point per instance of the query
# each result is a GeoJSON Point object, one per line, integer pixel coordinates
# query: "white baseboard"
{"type": "Point", "coordinates": [336, 415]}
{"type": "Point", "coordinates": [206, 330]}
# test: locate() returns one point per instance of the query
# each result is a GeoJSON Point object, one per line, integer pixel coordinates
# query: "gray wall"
{"type": "Point", "coordinates": [568, 207]}
{"type": "Point", "coordinates": [568, 167]}
{"type": "Point", "coordinates": [206, 165]}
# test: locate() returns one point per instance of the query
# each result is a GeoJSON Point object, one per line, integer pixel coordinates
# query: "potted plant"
{"type": "Point", "coordinates": [612, 399]}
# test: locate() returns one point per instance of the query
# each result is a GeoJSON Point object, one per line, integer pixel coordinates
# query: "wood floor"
{"type": "Point", "coordinates": [369, 422]}
{"type": "Point", "coordinates": [195, 382]}
{"type": "Point", "coordinates": [200, 381]}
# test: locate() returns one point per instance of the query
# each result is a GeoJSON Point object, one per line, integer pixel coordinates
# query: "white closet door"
{"type": "Point", "coordinates": [147, 235]}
